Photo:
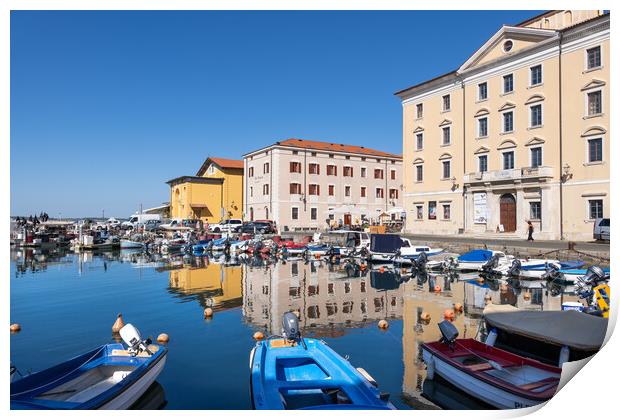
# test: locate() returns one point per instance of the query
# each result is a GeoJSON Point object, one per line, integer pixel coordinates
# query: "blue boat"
{"type": "Point", "coordinates": [108, 377]}
{"type": "Point", "coordinates": [292, 372]}
{"type": "Point", "coordinates": [201, 247]}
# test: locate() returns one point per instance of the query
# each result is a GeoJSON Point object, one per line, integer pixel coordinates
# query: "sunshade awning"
{"type": "Point", "coordinates": [570, 328]}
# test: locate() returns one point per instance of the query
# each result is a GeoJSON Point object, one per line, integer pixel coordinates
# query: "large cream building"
{"type": "Point", "coordinates": [519, 132]}
{"type": "Point", "coordinates": [301, 183]}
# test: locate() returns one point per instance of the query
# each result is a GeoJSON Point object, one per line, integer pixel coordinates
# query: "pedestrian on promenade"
{"type": "Point", "coordinates": [530, 231]}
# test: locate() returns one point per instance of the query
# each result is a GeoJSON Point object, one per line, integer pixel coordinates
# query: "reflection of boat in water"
{"type": "Point", "coordinates": [153, 399]}
{"type": "Point", "coordinates": [448, 397]}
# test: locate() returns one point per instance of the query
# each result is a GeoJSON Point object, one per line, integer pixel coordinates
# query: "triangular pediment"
{"type": "Point", "coordinates": [481, 150]}
{"type": "Point", "coordinates": [496, 47]}
{"type": "Point", "coordinates": [595, 83]}
{"type": "Point", "coordinates": [506, 106]}
{"type": "Point", "coordinates": [445, 122]}
{"type": "Point", "coordinates": [418, 129]}
{"type": "Point", "coordinates": [594, 131]}
{"type": "Point", "coordinates": [534, 141]}
{"type": "Point", "coordinates": [507, 144]}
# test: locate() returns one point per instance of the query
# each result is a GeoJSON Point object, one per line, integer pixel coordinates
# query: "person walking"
{"type": "Point", "coordinates": [530, 231]}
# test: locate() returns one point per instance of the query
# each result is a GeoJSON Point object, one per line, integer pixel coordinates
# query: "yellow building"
{"type": "Point", "coordinates": [518, 133]}
{"type": "Point", "coordinates": [213, 194]}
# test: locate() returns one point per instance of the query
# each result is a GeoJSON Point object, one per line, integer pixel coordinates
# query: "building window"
{"type": "Point", "coordinates": [508, 83]}
{"type": "Point", "coordinates": [294, 213]}
{"type": "Point", "coordinates": [295, 188]}
{"type": "Point", "coordinates": [482, 91]}
{"type": "Point", "coordinates": [347, 157]}
{"type": "Point", "coordinates": [595, 150]}
{"type": "Point", "coordinates": [483, 127]}
{"type": "Point", "coordinates": [419, 141]}
{"type": "Point", "coordinates": [251, 171]}
{"type": "Point", "coordinates": [313, 189]}
{"type": "Point", "coordinates": [508, 121]}
{"type": "Point", "coordinates": [266, 168]}
{"type": "Point", "coordinates": [595, 103]}
{"type": "Point", "coordinates": [595, 209]}
{"type": "Point", "coordinates": [594, 57]}
{"type": "Point", "coordinates": [393, 194]}
{"type": "Point", "coordinates": [313, 213]}
{"type": "Point", "coordinates": [432, 210]}
{"type": "Point", "coordinates": [535, 210]}
{"type": "Point", "coordinates": [445, 135]}
{"type": "Point", "coordinates": [363, 172]}
{"type": "Point", "coordinates": [509, 160]}
{"type": "Point", "coordinates": [313, 169]}
{"type": "Point", "coordinates": [332, 170]}
{"type": "Point", "coordinates": [378, 173]}
{"type": "Point", "coordinates": [330, 190]}
{"type": "Point", "coordinates": [507, 46]}
{"type": "Point", "coordinates": [446, 102]}
{"type": "Point", "coordinates": [392, 174]}
{"type": "Point", "coordinates": [446, 212]}
{"type": "Point", "coordinates": [295, 167]}
{"type": "Point", "coordinates": [347, 191]}
{"type": "Point", "coordinates": [483, 163]}
{"type": "Point", "coordinates": [536, 75]}
{"type": "Point", "coordinates": [251, 213]}
{"type": "Point", "coordinates": [347, 171]}
{"type": "Point", "coordinates": [362, 192]}
{"type": "Point", "coordinates": [445, 169]}
{"type": "Point", "coordinates": [419, 173]}
{"type": "Point", "coordinates": [419, 212]}
{"type": "Point", "coordinates": [251, 191]}
{"type": "Point", "coordinates": [419, 111]}
{"type": "Point", "coordinates": [536, 157]}
{"type": "Point", "coordinates": [536, 118]}
{"type": "Point", "coordinates": [266, 189]}
{"type": "Point", "coordinates": [379, 193]}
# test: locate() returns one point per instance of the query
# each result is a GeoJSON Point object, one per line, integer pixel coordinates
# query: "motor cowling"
{"type": "Point", "coordinates": [131, 336]}
{"type": "Point", "coordinates": [551, 273]}
{"type": "Point", "coordinates": [491, 264]}
{"type": "Point", "coordinates": [290, 327]}
{"type": "Point", "coordinates": [515, 268]}
{"type": "Point", "coordinates": [594, 275]}
{"type": "Point", "coordinates": [421, 260]}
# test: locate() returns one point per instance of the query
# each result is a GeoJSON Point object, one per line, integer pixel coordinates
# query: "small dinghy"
{"type": "Point", "coordinates": [497, 377]}
{"type": "Point", "coordinates": [481, 260]}
{"type": "Point", "coordinates": [292, 372]}
{"type": "Point", "coordinates": [129, 244]}
{"type": "Point", "coordinates": [108, 377]}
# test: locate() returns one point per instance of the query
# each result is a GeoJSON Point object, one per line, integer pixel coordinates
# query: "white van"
{"type": "Point", "coordinates": [137, 219]}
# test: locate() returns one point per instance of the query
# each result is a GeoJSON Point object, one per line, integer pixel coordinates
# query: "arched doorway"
{"type": "Point", "coordinates": [508, 212]}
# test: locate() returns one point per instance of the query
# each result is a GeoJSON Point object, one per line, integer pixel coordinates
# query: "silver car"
{"type": "Point", "coordinates": [601, 229]}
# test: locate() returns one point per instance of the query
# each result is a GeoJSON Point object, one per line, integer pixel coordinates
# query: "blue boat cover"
{"type": "Point", "coordinates": [476, 255]}
{"type": "Point", "coordinates": [385, 243]}
{"type": "Point", "coordinates": [388, 280]}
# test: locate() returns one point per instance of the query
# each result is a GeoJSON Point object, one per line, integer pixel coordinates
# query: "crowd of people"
{"type": "Point", "coordinates": [32, 220]}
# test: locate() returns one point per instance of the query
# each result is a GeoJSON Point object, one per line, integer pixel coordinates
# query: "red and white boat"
{"type": "Point", "coordinates": [497, 377]}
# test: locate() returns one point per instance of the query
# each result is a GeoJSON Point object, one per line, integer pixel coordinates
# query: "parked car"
{"type": "Point", "coordinates": [265, 226]}
{"type": "Point", "coordinates": [137, 218]}
{"type": "Point", "coordinates": [230, 226]}
{"type": "Point", "coordinates": [601, 229]}
{"type": "Point", "coordinates": [152, 225]}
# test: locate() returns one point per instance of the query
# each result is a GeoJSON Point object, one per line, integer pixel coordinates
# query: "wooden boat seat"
{"type": "Point", "coordinates": [479, 367]}
{"type": "Point", "coordinates": [538, 384]}
{"type": "Point", "coordinates": [152, 348]}
{"type": "Point", "coordinates": [281, 343]}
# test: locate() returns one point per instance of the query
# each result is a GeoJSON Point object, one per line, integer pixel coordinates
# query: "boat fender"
{"type": "Point", "coordinates": [163, 338]}
{"type": "Point", "coordinates": [425, 316]}
{"type": "Point", "coordinates": [118, 324]}
{"type": "Point", "coordinates": [448, 315]}
{"type": "Point", "coordinates": [383, 324]}
{"type": "Point", "coordinates": [437, 288]}
{"type": "Point", "coordinates": [527, 296]}
{"type": "Point", "coordinates": [430, 368]}
{"type": "Point", "coordinates": [490, 341]}
{"type": "Point", "coordinates": [16, 328]}
{"type": "Point", "coordinates": [258, 335]}
{"type": "Point", "coordinates": [208, 313]}
{"type": "Point", "coordinates": [458, 307]}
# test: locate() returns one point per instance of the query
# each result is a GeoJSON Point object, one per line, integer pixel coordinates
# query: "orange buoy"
{"type": "Point", "coordinates": [382, 269]}
{"type": "Point", "coordinates": [487, 299]}
{"type": "Point", "coordinates": [480, 280]}
{"type": "Point", "coordinates": [383, 324]}
{"type": "Point", "coordinates": [208, 313]}
{"type": "Point", "coordinates": [317, 256]}
{"type": "Point", "coordinates": [118, 324]}
{"type": "Point", "coordinates": [437, 288]}
{"type": "Point", "coordinates": [458, 307]}
{"type": "Point", "coordinates": [258, 335]}
{"type": "Point", "coordinates": [362, 267]}
{"type": "Point", "coordinates": [163, 338]}
{"type": "Point", "coordinates": [403, 271]}
{"type": "Point", "coordinates": [527, 296]}
{"type": "Point", "coordinates": [16, 328]}
{"type": "Point", "coordinates": [448, 314]}
{"type": "Point", "coordinates": [425, 316]}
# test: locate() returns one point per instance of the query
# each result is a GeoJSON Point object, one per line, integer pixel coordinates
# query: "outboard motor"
{"type": "Point", "coordinates": [420, 261]}
{"type": "Point", "coordinates": [515, 268]}
{"type": "Point", "coordinates": [449, 333]}
{"type": "Point", "coordinates": [595, 275]}
{"type": "Point", "coordinates": [552, 273]}
{"type": "Point", "coordinates": [491, 264]}
{"type": "Point", "coordinates": [363, 252]}
{"type": "Point", "coordinates": [290, 328]}
{"type": "Point", "coordinates": [135, 343]}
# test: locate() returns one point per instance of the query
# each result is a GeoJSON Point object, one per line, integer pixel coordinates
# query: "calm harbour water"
{"type": "Point", "coordinates": [67, 303]}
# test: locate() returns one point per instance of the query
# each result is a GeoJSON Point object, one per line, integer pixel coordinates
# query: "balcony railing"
{"type": "Point", "coordinates": [509, 174]}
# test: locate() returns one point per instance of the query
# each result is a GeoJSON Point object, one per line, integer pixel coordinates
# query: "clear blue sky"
{"type": "Point", "coordinates": [107, 106]}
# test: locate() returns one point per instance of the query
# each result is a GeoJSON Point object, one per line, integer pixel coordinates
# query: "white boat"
{"type": "Point", "coordinates": [476, 259]}
{"type": "Point", "coordinates": [391, 248]}
{"type": "Point", "coordinates": [127, 244]}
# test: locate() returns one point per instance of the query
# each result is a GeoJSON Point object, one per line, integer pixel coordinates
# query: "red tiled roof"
{"type": "Point", "coordinates": [222, 163]}
{"type": "Point", "coordinates": [335, 147]}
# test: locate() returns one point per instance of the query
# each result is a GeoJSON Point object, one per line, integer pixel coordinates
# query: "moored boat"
{"type": "Point", "coordinates": [292, 372]}
{"type": "Point", "coordinates": [129, 244]}
{"type": "Point", "coordinates": [497, 377]}
{"type": "Point", "coordinates": [108, 377]}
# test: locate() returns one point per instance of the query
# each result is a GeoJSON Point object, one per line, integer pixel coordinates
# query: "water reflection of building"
{"type": "Point", "coordinates": [34, 260]}
{"type": "Point", "coordinates": [327, 300]}
{"type": "Point", "coordinates": [213, 285]}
